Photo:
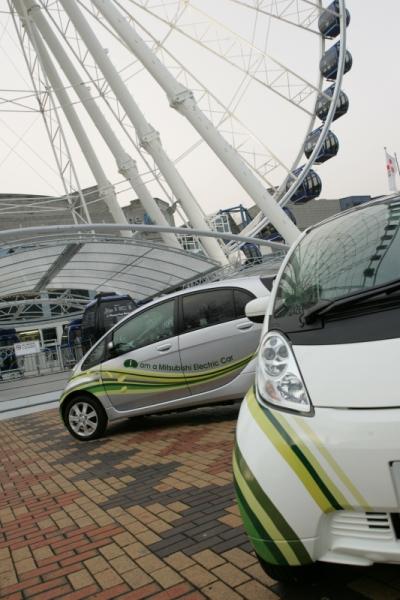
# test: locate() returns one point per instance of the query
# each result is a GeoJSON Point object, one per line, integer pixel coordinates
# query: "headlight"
{"type": "Point", "coordinates": [278, 379]}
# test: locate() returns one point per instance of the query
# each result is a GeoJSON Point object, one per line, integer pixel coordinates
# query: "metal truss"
{"type": "Point", "coordinates": [95, 78]}
{"type": "Point", "coordinates": [215, 37]}
{"type": "Point", "coordinates": [128, 113]}
{"type": "Point", "coordinates": [301, 13]}
{"type": "Point", "coordinates": [254, 64]}
{"type": "Point", "coordinates": [253, 151]}
{"type": "Point", "coordinates": [61, 152]}
{"type": "Point", "coordinates": [24, 308]}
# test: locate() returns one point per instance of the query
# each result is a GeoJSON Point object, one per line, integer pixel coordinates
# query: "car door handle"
{"type": "Point", "coordinates": [163, 348]}
{"type": "Point", "coordinates": [244, 326]}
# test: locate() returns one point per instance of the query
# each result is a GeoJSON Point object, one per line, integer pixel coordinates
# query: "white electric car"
{"type": "Point", "coordinates": [317, 454]}
{"type": "Point", "coordinates": [187, 349]}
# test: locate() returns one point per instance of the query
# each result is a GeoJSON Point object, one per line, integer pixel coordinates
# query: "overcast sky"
{"type": "Point", "coordinates": [373, 87]}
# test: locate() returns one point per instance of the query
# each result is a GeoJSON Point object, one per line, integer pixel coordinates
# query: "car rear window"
{"type": "Point", "coordinates": [203, 309]}
{"type": "Point", "coordinates": [242, 297]}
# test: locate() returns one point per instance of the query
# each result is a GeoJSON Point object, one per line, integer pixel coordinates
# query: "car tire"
{"type": "Point", "coordinates": [288, 574]}
{"type": "Point", "coordinates": [85, 418]}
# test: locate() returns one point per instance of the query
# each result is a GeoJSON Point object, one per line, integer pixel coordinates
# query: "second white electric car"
{"type": "Point", "coordinates": [187, 349]}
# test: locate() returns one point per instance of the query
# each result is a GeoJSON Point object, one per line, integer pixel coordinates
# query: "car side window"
{"type": "Point", "coordinates": [204, 309]}
{"type": "Point", "coordinates": [146, 328]}
{"type": "Point", "coordinates": [242, 297]}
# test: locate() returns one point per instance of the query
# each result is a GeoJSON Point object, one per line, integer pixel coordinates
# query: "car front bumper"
{"type": "Point", "coordinates": [325, 487]}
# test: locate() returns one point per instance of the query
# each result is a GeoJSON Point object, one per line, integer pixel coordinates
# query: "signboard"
{"type": "Point", "coordinates": [24, 348]}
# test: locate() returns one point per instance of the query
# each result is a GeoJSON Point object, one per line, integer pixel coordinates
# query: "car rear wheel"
{"type": "Point", "coordinates": [85, 418]}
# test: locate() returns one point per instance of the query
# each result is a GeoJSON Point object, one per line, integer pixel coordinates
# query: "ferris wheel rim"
{"type": "Point", "coordinates": [313, 117]}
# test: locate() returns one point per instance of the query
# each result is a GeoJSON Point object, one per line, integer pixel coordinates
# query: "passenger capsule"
{"type": "Point", "coordinates": [329, 148]}
{"type": "Point", "coordinates": [323, 104]}
{"type": "Point", "coordinates": [329, 21]}
{"type": "Point", "coordinates": [308, 190]}
{"type": "Point", "coordinates": [329, 63]}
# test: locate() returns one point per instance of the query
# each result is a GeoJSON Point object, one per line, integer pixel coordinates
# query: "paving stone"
{"type": "Point", "coordinates": [111, 551]}
{"type": "Point", "coordinates": [166, 577]}
{"type": "Point", "coordinates": [136, 578]}
{"type": "Point", "coordinates": [122, 564]}
{"type": "Point", "coordinates": [96, 565]}
{"type": "Point", "coordinates": [80, 579]}
{"type": "Point", "coordinates": [220, 591]}
{"type": "Point", "coordinates": [198, 576]}
{"type": "Point", "coordinates": [136, 550]}
{"type": "Point", "coordinates": [230, 574]}
{"type": "Point", "coordinates": [254, 589]}
{"type": "Point", "coordinates": [146, 512]}
{"type": "Point", "coordinates": [108, 579]}
{"type": "Point", "coordinates": [208, 559]}
{"type": "Point", "coordinates": [149, 563]}
{"type": "Point", "coordinates": [179, 561]}
{"type": "Point", "coordinates": [239, 558]}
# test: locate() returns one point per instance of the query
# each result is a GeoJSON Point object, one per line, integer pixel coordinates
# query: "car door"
{"type": "Point", "coordinates": [217, 341]}
{"type": "Point", "coordinates": [143, 366]}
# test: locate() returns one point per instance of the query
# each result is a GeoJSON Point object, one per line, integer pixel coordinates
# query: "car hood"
{"type": "Point", "coordinates": [359, 375]}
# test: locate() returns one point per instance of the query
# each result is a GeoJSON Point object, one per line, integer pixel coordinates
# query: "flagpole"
{"type": "Point", "coordinates": [397, 163]}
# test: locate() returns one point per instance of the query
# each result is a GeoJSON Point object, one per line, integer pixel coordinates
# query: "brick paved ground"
{"type": "Point", "coordinates": [147, 512]}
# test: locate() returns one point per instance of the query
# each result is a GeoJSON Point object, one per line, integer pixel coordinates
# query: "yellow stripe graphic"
{"type": "Point", "coordinates": [332, 462]}
{"type": "Point", "coordinates": [313, 461]}
{"type": "Point", "coordinates": [286, 452]}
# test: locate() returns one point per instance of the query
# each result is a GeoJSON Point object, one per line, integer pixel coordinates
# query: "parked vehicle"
{"type": "Point", "coordinates": [8, 361]}
{"type": "Point", "coordinates": [101, 314]}
{"type": "Point", "coordinates": [317, 455]}
{"type": "Point", "coordinates": [191, 348]}
{"type": "Point", "coordinates": [74, 333]}
{"type": "Point", "coordinates": [71, 342]}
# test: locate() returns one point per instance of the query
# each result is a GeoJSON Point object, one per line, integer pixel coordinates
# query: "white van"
{"type": "Point", "coordinates": [191, 348]}
{"type": "Point", "coordinates": [317, 455]}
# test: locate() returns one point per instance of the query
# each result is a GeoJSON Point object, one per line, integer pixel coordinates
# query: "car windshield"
{"type": "Point", "coordinates": [347, 255]}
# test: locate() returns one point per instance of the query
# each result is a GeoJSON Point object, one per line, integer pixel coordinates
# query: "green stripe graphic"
{"type": "Point", "coordinates": [269, 507]}
{"type": "Point", "coordinates": [263, 545]}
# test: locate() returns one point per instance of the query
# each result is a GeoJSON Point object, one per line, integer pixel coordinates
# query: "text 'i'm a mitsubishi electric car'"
{"type": "Point", "coordinates": [317, 454]}
{"type": "Point", "coordinates": [191, 348]}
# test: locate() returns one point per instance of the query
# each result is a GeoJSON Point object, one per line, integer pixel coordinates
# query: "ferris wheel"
{"type": "Point", "coordinates": [259, 85]}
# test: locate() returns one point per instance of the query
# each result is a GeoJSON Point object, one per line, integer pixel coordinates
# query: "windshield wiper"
{"type": "Point", "coordinates": [325, 306]}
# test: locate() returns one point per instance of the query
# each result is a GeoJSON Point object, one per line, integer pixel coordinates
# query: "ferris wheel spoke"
{"type": "Point", "coordinates": [257, 155]}
{"type": "Point", "coordinates": [53, 124]}
{"type": "Point", "coordinates": [104, 92]}
{"type": "Point", "coordinates": [214, 37]}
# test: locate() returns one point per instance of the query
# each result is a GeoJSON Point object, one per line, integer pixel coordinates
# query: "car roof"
{"type": "Point", "coordinates": [243, 282]}
{"type": "Point", "coordinates": [107, 298]}
{"type": "Point", "coordinates": [249, 282]}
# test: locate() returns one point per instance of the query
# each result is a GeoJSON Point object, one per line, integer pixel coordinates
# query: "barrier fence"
{"type": "Point", "coordinates": [52, 359]}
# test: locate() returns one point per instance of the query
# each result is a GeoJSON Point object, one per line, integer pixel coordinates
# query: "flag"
{"type": "Point", "coordinates": [391, 171]}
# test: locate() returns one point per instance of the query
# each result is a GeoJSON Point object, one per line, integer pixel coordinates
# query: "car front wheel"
{"type": "Point", "coordinates": [288, 574]}
{"type": "Point", "coordinates": [85, 418]}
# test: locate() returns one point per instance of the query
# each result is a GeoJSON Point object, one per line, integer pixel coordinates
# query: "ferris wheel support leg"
{"type": "Point", "coordinates": [183, 101]}
{"type": "Point", "coordinates": [148, 136]}
{"type": "Point", "coordinates": [126, 165]}
{"type": "Point", "coordinates": [105, 188]}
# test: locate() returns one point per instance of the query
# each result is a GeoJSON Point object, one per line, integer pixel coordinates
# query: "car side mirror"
{"type": "Point", "coordinates": [255, 309]}
{"type": "Point", "coordinates": [111, 349]}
